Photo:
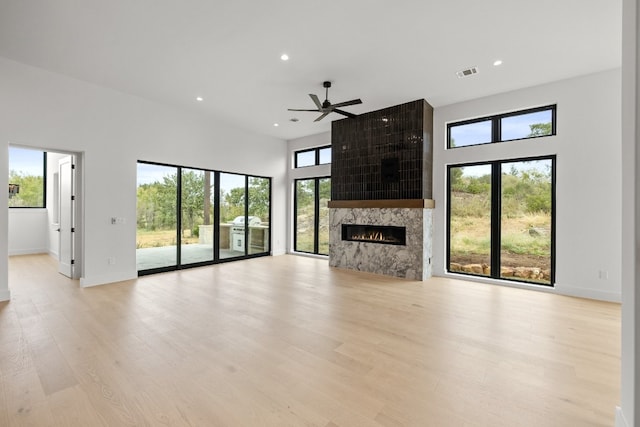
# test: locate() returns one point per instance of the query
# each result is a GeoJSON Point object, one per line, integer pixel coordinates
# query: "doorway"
{"type": "Point", "coordinates": [45, 210]}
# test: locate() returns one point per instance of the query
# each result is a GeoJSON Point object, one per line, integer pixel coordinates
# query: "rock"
{"type": "Point", "coordinates": [486, 269]}
{"type": "Point", "coordinates": [472, 268]}
{"type": "Point", "coordinates": [454, 266]}
{"type": "Point", "coordinates": [506, 272]}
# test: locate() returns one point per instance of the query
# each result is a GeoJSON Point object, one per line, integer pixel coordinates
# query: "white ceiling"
{"type": "Point", "coordinates": [384, 52]}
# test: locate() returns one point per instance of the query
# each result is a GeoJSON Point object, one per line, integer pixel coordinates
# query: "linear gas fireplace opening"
{"type": "Point", "coordinates": [385, 234]}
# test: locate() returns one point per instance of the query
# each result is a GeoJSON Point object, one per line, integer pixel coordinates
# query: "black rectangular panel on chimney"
{"type": "Point", "coordinates": [390, 170]}
{"type": "Point", "coordinates": [384, 154]}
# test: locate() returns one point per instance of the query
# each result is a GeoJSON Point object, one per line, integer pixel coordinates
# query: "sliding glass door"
{"type": "Point", "coordinates": [259, 211]}
{"type": "Point", "coordinates": [189, 217]}
{"type": "Point", "coordinates": [157, 220]}
{"type": "Point", "coordinates": [232, 215]}
{"type": "Point", "coordinates": [196, 202]}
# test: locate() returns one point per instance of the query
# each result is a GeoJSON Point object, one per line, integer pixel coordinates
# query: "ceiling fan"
{"type": "Point", "coordinates": [327, 107]}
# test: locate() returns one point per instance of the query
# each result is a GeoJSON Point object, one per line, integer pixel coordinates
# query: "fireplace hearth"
{"type": "Point", "coordinates": [383, 234]}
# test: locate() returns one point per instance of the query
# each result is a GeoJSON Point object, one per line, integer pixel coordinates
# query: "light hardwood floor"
{"type": "Point", "coordinates": [288, 341]}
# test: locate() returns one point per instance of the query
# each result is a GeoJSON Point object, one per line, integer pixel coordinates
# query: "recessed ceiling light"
{"type": "Point", "coordinates": [497, 62]}
{"type": "Point", "coordinates": [284, 57]}
{"type": "Point", "coordinates": [199, 98]}
{"type": "Point", "coordinates": [276, 124]}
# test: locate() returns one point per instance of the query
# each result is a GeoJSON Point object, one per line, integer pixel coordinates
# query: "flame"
{"type": "Point", "coordinates": [376, 236]}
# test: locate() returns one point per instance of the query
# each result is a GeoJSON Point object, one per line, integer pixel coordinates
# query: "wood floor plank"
{"type": "Point", "coordinates": [288, 341]}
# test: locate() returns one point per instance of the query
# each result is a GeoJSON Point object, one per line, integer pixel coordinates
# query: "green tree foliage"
{"type": "Point", "coordinates": [31, 190]}
{"type": "Point", "coordinates": [523, 191]}
{"type": "Point", "coordinates": [232, 204]}
{"type": "Point", "coordinates": [305, 192]}
{"type": "Point", "coordinates": [193, 193]}
{"type": "Point", "coordinates": [540, 129]}
{"type": "Point", "coordinates": [157, 202]}
{"type": "Point", "coordinates": [259, 198]}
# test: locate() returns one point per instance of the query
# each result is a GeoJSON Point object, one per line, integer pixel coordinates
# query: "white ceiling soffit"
{"type": "Point", "coordinates": [383, 52]}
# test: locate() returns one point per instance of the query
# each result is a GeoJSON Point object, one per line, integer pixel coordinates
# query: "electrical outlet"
{"type": "Point", "coordinates": [111, 260]}
{"type": "Point", "coordinates": [603, 274]}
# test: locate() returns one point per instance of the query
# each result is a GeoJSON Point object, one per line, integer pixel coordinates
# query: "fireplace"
{"type": "Point", "coordinates": [384, 234]}
{"type": "Point", "coordinates": [381, 191]}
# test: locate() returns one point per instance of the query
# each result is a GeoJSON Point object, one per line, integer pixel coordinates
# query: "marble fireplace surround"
{"type": "Point", "coordinates": [411, 261]}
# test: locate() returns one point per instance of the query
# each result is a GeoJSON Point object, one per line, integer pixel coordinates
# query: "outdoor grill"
{"type": "Point", "coordinates": [237, 231]}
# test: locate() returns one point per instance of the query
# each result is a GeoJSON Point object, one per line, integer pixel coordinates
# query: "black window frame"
{"type": "Point", "coordinates": [44, 180]}
{"type": "Point", "coordinates": [496, 212]}
{"type": "Point", "coordinates": [496, 130]}
{"type": "Point", "coordinates": [316, 213]}
{"type": "Point", "coordinates": [216, 219]}
{"type": "Point", "coordinates": [316, 151]}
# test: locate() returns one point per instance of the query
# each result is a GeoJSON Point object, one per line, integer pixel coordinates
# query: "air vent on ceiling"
{"type": "Point", "coordinates": [467, 72]}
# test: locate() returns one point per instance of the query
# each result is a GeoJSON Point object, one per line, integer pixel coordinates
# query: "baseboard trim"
{"type": "Point", "coordinates": [588, 293]}
{"type": "Point", "coordinates": [621, 421]}
{"type": "Point", "coordinates": [28, 252]}
{"type": "Point", "coordinates": [87, 282]}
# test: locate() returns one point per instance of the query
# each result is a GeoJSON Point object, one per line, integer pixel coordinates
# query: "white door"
{"type": "Point", "coordinates": [66, 170]}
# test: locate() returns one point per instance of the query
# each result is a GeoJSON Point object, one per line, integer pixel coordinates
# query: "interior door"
{"type": "Point", "coordinates": [66, 171]}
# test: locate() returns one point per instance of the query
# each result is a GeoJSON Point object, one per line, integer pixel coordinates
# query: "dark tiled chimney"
{"type": "Point", "coordinates": [384, 154]}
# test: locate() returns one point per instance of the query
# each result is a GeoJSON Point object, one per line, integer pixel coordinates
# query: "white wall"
{"type": "Point", "coordinates": [28, 231]}
{"type": "Point", "coordinates": [588, 191]}
{"type": "Point", "coordinates": [113, 130]}
{"type": "Point", "coordinates": [627, 413]}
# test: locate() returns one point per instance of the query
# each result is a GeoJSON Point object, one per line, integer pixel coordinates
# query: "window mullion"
{"type": "Point", "coordinates": [179, 217]}
{"type": "Point", "coordinates": [496, 203]}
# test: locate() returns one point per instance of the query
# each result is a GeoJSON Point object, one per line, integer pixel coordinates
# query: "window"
{"type": "Point", "coordinates": [313, 157]}
{"type": "Point", "coordinates": [311, 215]}
{"type": "Point", "coordinates": [189, 217]}
{"type": "Point", "coordinates": [27, 178]}
{"type": "Point", "coordinates": [532, 123]}
{"type": "Point", "coordinates": [501, 219]}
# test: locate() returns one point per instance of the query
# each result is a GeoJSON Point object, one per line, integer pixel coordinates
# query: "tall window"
{"type": "Point", "coordinates": [501, 219]}
{"type": "Point", "coordinates": [27, 176]}
{"type": "Point", "coordinates": [531, 123]}
{"type": "Point", "coordinates": [311, 215]}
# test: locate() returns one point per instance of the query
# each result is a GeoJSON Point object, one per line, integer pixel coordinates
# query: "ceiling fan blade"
{"type": "Point", "coordinates": [322, 116]}
{"type": "Point", "coordinates": [296, 109]}
{"type": "Point", "coordinates": [344, 113]}
{"type": "Point", "coordinates": [316, 101]}
{"type": "Point", "coordinates": [347, 103]}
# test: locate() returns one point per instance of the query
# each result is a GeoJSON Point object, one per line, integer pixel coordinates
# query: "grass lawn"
{"type": "Point", "coordinates": [160, 238]}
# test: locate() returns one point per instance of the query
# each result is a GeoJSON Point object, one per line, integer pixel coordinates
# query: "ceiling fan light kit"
{"type": "Point", "coordinates": [326, 107]}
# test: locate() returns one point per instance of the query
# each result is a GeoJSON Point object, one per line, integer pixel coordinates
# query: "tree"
{"type": "Point", "coordinates": [540, 129]}
{"type": "Point", "coordinates": [31, 190]}
{"type": "Point", "coordinates": [193, 193]}
{"type": "Point", "coordinates": [259, 192]}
